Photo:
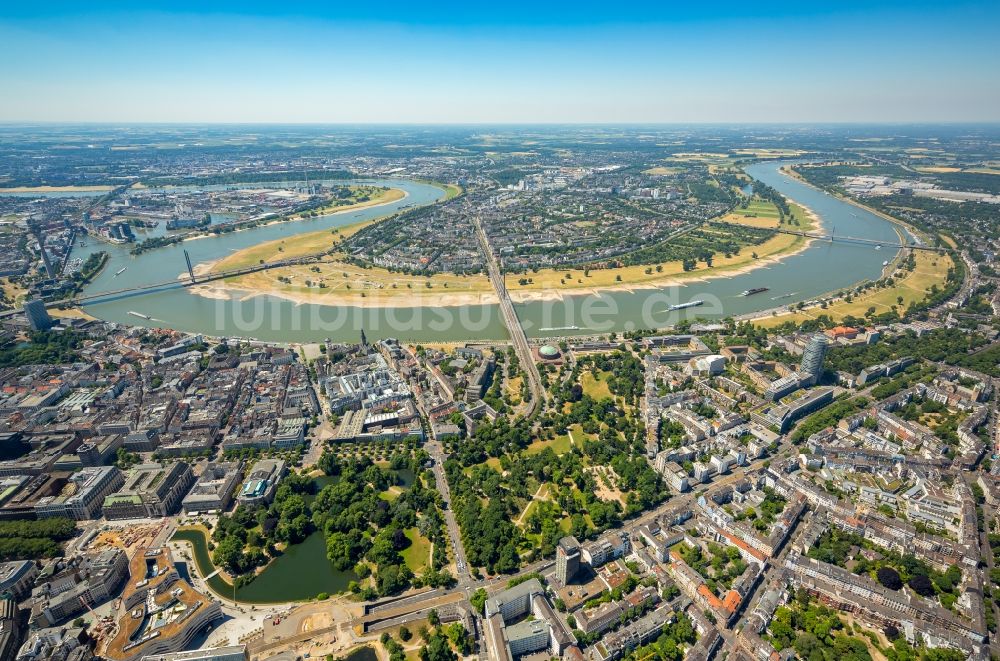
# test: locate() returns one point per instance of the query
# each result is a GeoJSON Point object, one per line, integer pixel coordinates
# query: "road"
{"type": "Point", "coordinates": [819, 236]}
{"type": "Point", "coordinates": [986, 556]}
{"type": "Point", "coordinates": [436, 451]}
{"type": "Point", "coordinates": [970, 279]}
{"type": "Point", "coordinates": [510, 320]}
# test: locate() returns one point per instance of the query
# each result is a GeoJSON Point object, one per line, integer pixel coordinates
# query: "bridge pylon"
{"type": "Point", "coordinates": [187, 260]}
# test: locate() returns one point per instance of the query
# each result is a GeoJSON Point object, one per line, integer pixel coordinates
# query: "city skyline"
{"type": "Point", "coordinates": [779, 62]}
{"type": "Point", "coordinates": [598, 393]}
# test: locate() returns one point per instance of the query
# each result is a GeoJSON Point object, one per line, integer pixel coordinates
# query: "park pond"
{"type": "Point", "coordinates": [362, 654]}
{"type": "Point", "coordinates": [300, 573]}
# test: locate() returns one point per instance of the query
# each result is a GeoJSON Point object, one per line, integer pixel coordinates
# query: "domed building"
{"type": "Point", "coordinates": [548, 352]}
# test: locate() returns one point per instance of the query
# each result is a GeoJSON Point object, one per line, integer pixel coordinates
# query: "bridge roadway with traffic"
{"type": "Point", "coordinates": [509, 315]}
{"type": "Point", "coordinates": [847, 239]}
{"type": "Point", "coordinates": [186, 281]}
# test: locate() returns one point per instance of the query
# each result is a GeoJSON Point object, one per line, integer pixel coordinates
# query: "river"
{"type": "Point", "coordinates": [822, 267]}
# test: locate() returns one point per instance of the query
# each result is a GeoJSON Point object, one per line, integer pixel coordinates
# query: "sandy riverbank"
{"type": "Point", "coordinates": [477, 290]}
{"type": "Point", "coordinates": [672, 281]}
{"type": "Point", "coordinates": [70, 313]}
{"type": "Point", "coordinates": [222, 290]}
{"type": "Point", "coordinates": [401, 299]}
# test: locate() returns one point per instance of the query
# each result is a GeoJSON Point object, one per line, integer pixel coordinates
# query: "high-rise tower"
{"type": "Point", "coordinates": [36, 314]}
{"type": "Point", "coordinates": [567, 559]}
{"type": "Point", "coordinates": [812, 357]}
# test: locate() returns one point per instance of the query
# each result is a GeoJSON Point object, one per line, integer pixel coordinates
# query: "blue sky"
{"type": "Point", "coordinates": [500, 62]}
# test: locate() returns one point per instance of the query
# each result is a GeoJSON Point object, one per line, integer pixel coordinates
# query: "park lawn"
{"type": "Point", "coordinates": [542, 494]}
{"type": "Point", "coordinates": [566, 524]}
{"type": "Point", "coordinates": [12, 290]}
{"type": "Point", "coordinates": [579, 436]}
{"type": "Point", "coordinates": [418, 553]}
{"type": "Point", "coordinates": [560, 445]}
{"type": "Point", "coordinates": [579, 498]}
{"type": "Point", "coordinates": [514, 387]}
{"type": "Point", "coordinates": [492, 462]}
{"type": "Point", "coordinates": [931, 269]}
{"type": "Point", "coordinates": [390, 494]}
{"type": "Point", "coordinates": [596, 387]}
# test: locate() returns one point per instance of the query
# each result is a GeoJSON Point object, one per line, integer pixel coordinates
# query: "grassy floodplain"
{"type": "Point", "coordinates": [300, 245]}
{"type": "Point", "coordinates": [337, 206]}
{"type": "Point", "coordinates": [451, 191]}
{"type": "Point", "coordinates": [770, 153]}
{"type": "Point", "coordinates": [931, 269]}
{"type": "Point", "coordinates": [763, 214]}
{"type": "Point", "coordinates": [346, 284]}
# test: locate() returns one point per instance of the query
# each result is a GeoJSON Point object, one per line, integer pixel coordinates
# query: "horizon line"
{"type": "Point", "coordinates": [930, 122]}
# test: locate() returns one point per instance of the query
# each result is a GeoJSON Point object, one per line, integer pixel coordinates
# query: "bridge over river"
{"type": "Point", "coordinates": [834, 237]}
{"type": "Point", "coordinates": [835, 259]}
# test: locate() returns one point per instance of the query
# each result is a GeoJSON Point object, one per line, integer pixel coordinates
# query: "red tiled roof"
{"type": "Point", "coordinates": [712, 600]}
